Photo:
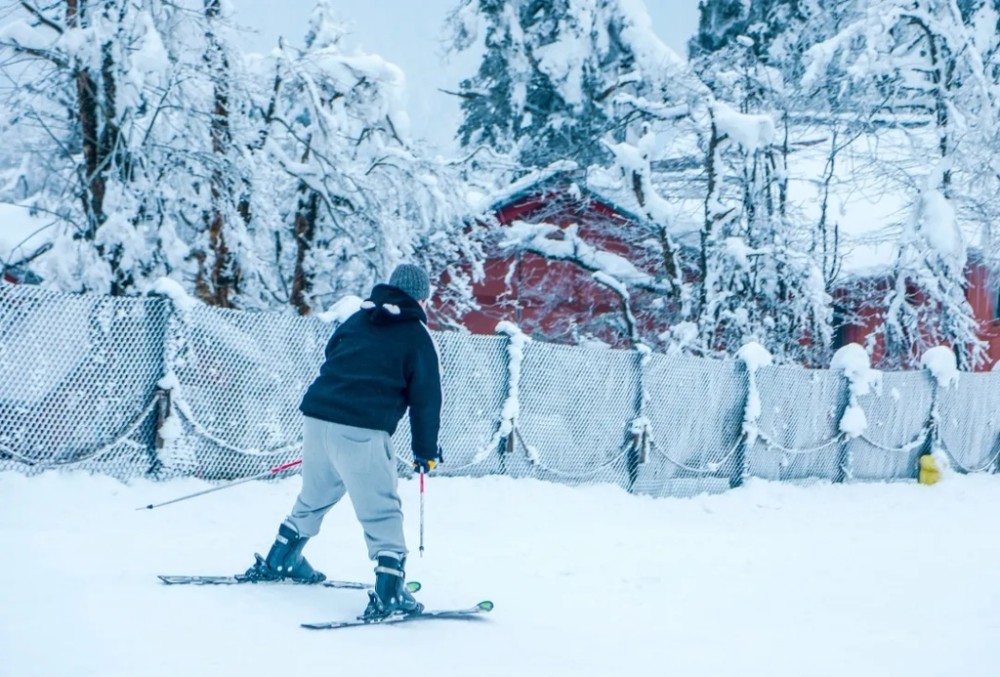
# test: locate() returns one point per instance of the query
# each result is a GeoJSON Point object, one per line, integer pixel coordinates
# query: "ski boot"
{"type": "Point", "coordinates": [390, 596]}
{"type": "Point", "coordinates": [285, 560]}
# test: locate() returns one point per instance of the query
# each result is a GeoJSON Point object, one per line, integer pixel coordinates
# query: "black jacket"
{"type": "Point", "coordinates": [380, 361]}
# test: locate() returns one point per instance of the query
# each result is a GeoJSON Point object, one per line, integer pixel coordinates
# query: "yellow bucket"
{"type": "Point", "coordinates": [929, 471]}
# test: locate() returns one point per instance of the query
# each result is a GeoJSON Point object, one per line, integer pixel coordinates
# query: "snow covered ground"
{"type": "Point", "coordinates": [768, 580]}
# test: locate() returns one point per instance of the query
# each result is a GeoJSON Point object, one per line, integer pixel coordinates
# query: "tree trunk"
{"type": "Point", "coordinates": [223, 276]}
{"type": "Point", "coordinates": [87, 113]}
{"type": "Point", "coordinates": [305, 231]}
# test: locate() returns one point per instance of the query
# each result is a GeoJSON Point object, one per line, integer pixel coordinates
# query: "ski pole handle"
{"type": "Point", "coordinates": [421, 512]}
{"type": "Point", "coordinates": [267, 473]}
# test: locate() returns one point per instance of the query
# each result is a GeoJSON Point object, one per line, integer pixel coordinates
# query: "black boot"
{"type": "Point", "coordinates": [390, 595]}
{"type": "Point", "coordinates": [285, 560]}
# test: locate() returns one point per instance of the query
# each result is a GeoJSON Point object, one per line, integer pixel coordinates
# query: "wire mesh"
{"type": "Point", "coordinates": [133, 386]}
{"type": "Point", "coordinates": [897, 415]}
{"type": "Point", "coordinates": [240, 378]}
{"type": "Point", "coordinates": [77, 380]}
{"type": "Point", "coordinates": [969, 422]}
{"type": "Point", "coordinates": [474, 377]}
{"type": "Point", "coordinates": [695, 410]}
{"type": "Point", "coordinates": [577, 406]}
{"type": "Point", "coordinates": [799, 425]}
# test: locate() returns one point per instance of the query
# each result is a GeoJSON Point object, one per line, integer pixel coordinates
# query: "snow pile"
{"type": "Point", "coordinates": [341, 310]}
{"type": "Point", "coordinates": [682, 336]}
{"type": "Point", "coordinates": [940, 361]}
{"type": "Point", "coordinates": [937, 224]}
{"type": "Point", "coordinates": [173, 290]}
{"type": "Point", "coordinates": [751, 132]}
{"type": "Point", "coordinates": [557, 243]}
{"type": "Point", "coordinates": [512, 404]}
{"type": "Point", "coordinates": [754, 356]}
{"type": "Point", "coordinates": [853, 361]}
{"type": "Point", "coordinates": [21, 232]}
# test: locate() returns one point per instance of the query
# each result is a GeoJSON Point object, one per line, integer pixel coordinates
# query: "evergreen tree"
{"type": "Point", "coordinates": [545, 87]}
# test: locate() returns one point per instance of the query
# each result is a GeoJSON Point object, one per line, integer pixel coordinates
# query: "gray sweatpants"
{"type": "Point", "coordinates": [339, 459]}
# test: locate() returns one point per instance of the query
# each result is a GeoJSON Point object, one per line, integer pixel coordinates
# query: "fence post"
{"type": "Point", "coordinates": [740, 467]}
{"type": "Point", "coordinates": [161, 395]}
{"type": "Point", "coordinates": [844, 456]}
{"type": "Point", "coordinates": [753, 356]}
{"type": "Point", "coordinates": [167, 425]}
{"type": "Point", "coordinates": [503, 440]}
{"type": "Point", "coordinates": [638, 453]}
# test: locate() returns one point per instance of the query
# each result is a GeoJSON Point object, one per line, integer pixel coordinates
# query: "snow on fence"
{"type": "Point", "coordinates": [160, 388]}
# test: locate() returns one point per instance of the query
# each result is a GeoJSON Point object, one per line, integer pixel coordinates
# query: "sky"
{"type": "Point", "coordinates": [409, 33]}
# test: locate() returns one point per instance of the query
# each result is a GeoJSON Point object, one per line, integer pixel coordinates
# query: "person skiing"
{"type": "Point", "coordinates": [379, 362]}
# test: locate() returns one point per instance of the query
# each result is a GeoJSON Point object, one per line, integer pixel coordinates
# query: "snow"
{"type": "Point", "coordinates": [752, 132]}
{"type": "Point", "coordinates": [529, 180]}
{"type": "Point", "coordinates": [853, 361]}
{"type": "Point", "coordinates": [175, 292]}
{"type": "Point", "coordinates": [540, 238]}
{"type": "Point", "coordinates": [754, 356]}
{"type": "Point", "coordinates": [21, 232]}
{"type": "Point", "coordinates": [938, 226]}
{"type": "Point", "coordinates": [342, 309]}
{"type": "Point", "coordinates": [738, 251]}
{"type": "Point", "coordinates": [768, 580]}
{"type": "Point", "coordinates": [941, 362]}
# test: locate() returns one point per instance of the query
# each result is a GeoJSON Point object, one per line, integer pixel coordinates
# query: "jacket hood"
{"type": "Point", "coordinates": [388, 304]}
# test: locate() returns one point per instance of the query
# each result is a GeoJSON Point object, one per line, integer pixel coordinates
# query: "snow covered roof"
{"type": "Point", "coordinates": [566, 177]}
{"type": "Point", "coordinates": [21, 232]}
{"type": "Point", "coordinates": [873, 191]}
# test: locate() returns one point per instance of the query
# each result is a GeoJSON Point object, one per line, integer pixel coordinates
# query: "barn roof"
{"type": "Point", "coordinates": [566, 177]}
{"type": "Point", "coordinates": [871, 194]}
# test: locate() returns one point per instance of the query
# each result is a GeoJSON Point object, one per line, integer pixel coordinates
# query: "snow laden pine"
{"type": "Point", "coordinates": [553, 76]}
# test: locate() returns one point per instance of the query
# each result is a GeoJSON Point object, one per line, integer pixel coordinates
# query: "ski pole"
{"type": "Point", "coordinates": [273, 471]}
{"type": "Point", "coordinates": [421, 512]}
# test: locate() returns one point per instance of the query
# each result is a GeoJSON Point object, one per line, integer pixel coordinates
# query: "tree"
{"type": "Point", "coordinates": [917, 67]}
{"type": "Point", "coordinates": [359, 196]}
{"type": "Point", "coordinates": [87, 81]}
{"type": "Point", "coordinates": [758, 248]}
{"type": "Point", "coordinates": [131, 114]}
{"type": "Point", "coordinates": [546, 87]}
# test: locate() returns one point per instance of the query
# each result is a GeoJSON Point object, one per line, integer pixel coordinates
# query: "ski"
{"type": "Point", "coordinates": [469, 613]}
{"type": "Point", "coordinates": [412, 586]}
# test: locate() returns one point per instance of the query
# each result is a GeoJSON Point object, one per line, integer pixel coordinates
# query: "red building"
{"type": "Point", "coordinates": [855, 299]}
{"type": "Point", "coordinates": [559, 301]}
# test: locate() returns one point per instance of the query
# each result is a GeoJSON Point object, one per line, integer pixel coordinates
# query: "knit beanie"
{"type": "Point", "coordinates": [411, 279]}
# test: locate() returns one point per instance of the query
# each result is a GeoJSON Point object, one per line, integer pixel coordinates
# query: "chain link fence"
{"type": "Point", "coordinates": [78, 379]}
{"type": "Point", "coordinates": [135, 387]}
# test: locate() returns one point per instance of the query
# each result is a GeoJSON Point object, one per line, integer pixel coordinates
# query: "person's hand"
{"type": "Point", "coordinates": [426, 465]}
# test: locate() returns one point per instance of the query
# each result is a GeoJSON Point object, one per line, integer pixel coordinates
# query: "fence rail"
{"type": "Point", "coordinates": [138, 387]}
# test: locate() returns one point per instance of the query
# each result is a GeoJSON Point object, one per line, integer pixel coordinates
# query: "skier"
{"type": "Point", "coordinates": [380, 361]}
